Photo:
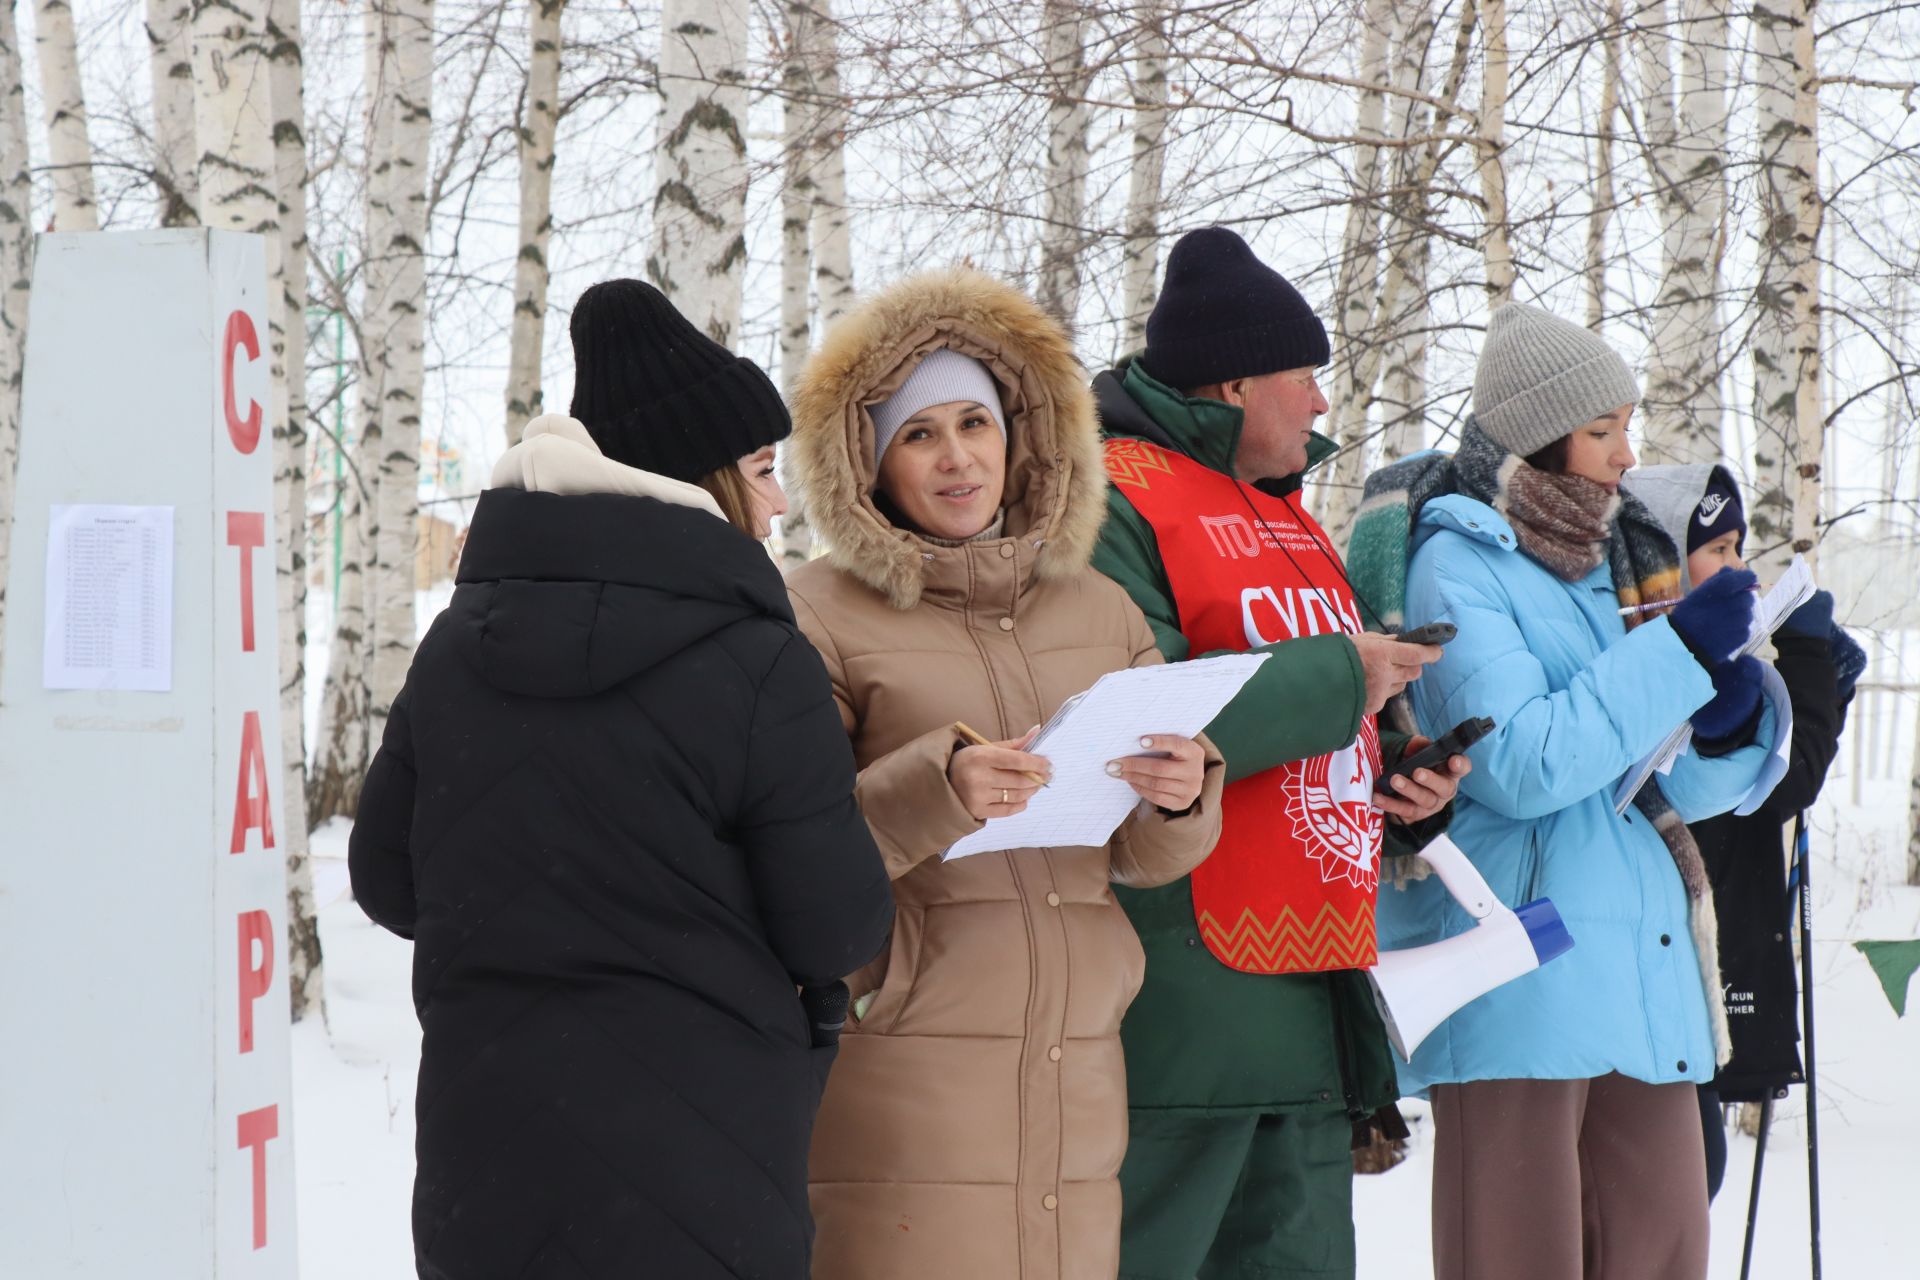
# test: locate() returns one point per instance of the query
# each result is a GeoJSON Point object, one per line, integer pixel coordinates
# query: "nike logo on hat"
{"type": "Point", "coordinates": [1710, 508]}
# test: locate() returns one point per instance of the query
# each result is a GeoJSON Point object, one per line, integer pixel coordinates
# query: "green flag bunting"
{"type": "Point", "coordinates": [1893, 963]}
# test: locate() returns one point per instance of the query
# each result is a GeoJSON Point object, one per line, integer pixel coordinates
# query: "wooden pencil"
{"type": "Point", "coordinates": [973, 738]}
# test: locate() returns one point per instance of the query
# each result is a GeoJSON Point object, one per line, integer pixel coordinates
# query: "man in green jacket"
{"type": "Point", "coordinates": [1255, 1055]}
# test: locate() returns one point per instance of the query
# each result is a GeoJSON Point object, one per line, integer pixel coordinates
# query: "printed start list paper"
{"type": "Point", "coordinates": [109, 598]}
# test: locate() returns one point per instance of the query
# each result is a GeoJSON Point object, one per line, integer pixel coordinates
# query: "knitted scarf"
{"type": "Point", "coordinates": [1570, 526]}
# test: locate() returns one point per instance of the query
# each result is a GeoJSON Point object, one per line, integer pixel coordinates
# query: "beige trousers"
{"type": "Point", "coordinates": [1568, 1180]}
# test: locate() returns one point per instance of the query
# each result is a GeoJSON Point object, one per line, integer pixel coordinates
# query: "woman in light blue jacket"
{"type": "Point", "coordinates": [1567, 1133]}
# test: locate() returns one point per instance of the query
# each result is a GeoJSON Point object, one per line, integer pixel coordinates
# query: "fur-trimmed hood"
{"type": "Point", "coordinates": [1056, 487]}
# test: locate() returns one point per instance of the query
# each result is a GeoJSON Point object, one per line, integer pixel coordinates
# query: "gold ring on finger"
{"type": "Point", "coordinates": [1003, 796]}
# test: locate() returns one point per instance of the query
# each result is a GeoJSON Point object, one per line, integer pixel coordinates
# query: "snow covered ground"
{"type": "Point", "coordinates": [353, 1092]}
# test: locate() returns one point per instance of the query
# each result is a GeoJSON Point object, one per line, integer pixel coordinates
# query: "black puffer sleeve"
{"type": "Point", "coordinates": [379, 854]}
{"type": "Point", "coordinates": [823, 893]}
{"type": "Point", "coordinates": [1806, 667]}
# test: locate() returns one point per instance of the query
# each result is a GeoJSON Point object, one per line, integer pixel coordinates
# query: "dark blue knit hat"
{"type": "Point", "coordinates": [1224, 314]}
{"type": "Point", "coordinates": [1718, 512]}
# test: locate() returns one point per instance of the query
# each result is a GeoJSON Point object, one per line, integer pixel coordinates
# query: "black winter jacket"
{"type": "Point", "coordinates": [1746, 861]}
{"type": "Point", "coordinates": [614, 810]}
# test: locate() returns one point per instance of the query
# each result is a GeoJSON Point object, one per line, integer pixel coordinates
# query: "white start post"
{"type": "Point", "coordinates": [145, 1123]}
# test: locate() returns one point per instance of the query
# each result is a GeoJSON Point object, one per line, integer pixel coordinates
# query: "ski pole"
{"type": "Point", "coordinates": [1753, 1196]}
{"type": "Point", "coordinates": [1806, 1017]}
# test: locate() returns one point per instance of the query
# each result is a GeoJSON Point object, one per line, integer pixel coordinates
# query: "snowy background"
{"type": "Point", "coordinates": [354, 1075]}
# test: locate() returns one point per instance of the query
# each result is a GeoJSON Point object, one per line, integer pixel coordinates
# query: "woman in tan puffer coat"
{"type": "Point", "coordinates": [973, 1126]}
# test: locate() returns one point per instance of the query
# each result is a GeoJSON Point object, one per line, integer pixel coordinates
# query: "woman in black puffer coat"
{"type": "Point", "coordinates": [613, 808]}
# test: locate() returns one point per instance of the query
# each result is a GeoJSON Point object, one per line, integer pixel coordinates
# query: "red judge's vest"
{"type": "Point", "coordinates": [1290, 887]}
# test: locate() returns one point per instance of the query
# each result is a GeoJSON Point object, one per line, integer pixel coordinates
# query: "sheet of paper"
{"type": "Point", "coordinates": [109, 598]}
{"type": "Point", "coordinates": [1083, 805]}
{"type": "Point", "coordinates": [1793, 589]}
{"type": "Point", "coordinates": [1679, 749]}
{"type": "Point", "coordinates": [1777, 762]}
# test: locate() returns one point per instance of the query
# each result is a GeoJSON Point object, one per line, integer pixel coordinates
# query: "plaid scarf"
{"type": "Point", "coordinates": [1570, 526]}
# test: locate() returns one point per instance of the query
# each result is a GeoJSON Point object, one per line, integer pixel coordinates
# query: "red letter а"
{"type": "Point", "coordinates": [250, 807]}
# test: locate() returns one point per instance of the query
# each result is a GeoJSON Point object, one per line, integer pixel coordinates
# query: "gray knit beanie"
{"type": "Point", "coordinates": [1541, 376]}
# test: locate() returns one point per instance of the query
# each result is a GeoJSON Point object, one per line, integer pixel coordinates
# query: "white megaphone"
{"type": "Point", "coordinates": [1418, 988]}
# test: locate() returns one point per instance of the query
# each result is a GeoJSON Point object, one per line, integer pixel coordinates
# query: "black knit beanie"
{"type": "Point", "coordinates": [656, 393]}
{"type": "Point", "coordinates": [1224, 314]}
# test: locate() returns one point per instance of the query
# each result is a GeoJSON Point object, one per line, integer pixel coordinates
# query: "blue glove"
{"type": "Point", "coordinates": [1716, 617]}
{"type": "Point", "coordinates": [1736, 697]}
{"type": "Point", "coordinates": [1849, 660]}
{"type": "Point", "coordinates": [1813, 619]}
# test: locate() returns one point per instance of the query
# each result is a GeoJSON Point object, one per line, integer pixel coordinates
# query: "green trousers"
{"type": "Point", "coordinates": [1236, 1197]}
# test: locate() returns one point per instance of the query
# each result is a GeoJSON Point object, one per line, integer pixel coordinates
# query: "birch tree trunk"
{"type": "Point", "coordinates": [288, 92]}
{"type": "Point", "coordinates": [1354, 330]}
{"type": "Point", "coordinates": [1660, 127]}
{"type": "Point", "coordinates": [175, 155]}
{"type": "Point", "coordinates": [233, 118]}
{"type": "Point", "coordinates": [340, 748]}
{"type": "Point", "coordinates": [68, 152]}
{"type": "Point", "coordinates": [1496, 245]}
{"type": "Point", "coordinates": [827, 230]}
{"type": "Point", "coordinates": [831, 228]}
{"type": "Point", "coordinates": [539, 121]}
{"type": "Point", "coordinates": [1786, 334]}
{"type": "Point", "coordinates": [1603, 193]}
{"type": "Point", "coordinates": [1688, 133]}
{"type": "Point", "coordinates": [1893, 435]}
{"type": "Point", "coordinates": [699, 212]}
{"type": "Point", "coordinates": [1653, 57]}
{"type": "Point", "coordinates": [343, 745]}
{"type": "Point", "coordinates": [378, 231]}
{"type": "Point", "coordinates": [391, 586]}
{"type": "Point", "coordinates": [1810, 412]}
{"type": "Point", "coordinates": [1913, 812]}
{"type": "Point", "coordinates": [799, 116]}
{"type": "Point", "coordinates": [1403, 377]}
{"type": "Point", "coordinates": [16, 273]}
{"type": "Point", "coordinates": [1418, 189]}
{"type": "Point", "coordinates": [1699, 244]}
{"type": "Point", "coordinates": [1068, 121]}
{"type": "Point", "coordinates": [1139, 256]}
{"type": "Point", "coordinates": [1403, 380]}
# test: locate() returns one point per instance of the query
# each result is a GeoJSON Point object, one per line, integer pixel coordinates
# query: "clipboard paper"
{"type": "Point", "coordinates": [1795, 588]}
{"type": "Point", "coordinates": [1083, 805]}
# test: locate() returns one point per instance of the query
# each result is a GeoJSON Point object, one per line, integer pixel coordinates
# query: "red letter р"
{"type": "Point", "coordinates": [244, 432]}
{"type": "Point", "coordinates": [246, 530]}
{"type": "Point", "coordinates": [250, 808]}
{"type": "Point", "coordinates": [255, 926]}
{"type": "Point", "coordinates": [256, 1129]}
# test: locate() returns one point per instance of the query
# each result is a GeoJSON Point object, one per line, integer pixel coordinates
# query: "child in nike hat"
{"type": "Point", "coordinates": [1745, 857]}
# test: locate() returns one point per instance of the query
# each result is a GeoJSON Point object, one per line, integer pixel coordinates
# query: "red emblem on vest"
{"type": "Point", "coordinates": [1290, 888]}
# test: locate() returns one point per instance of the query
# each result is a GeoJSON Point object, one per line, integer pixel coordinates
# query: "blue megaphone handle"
{"type": "Point", "coordinates": [1545, 929]}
